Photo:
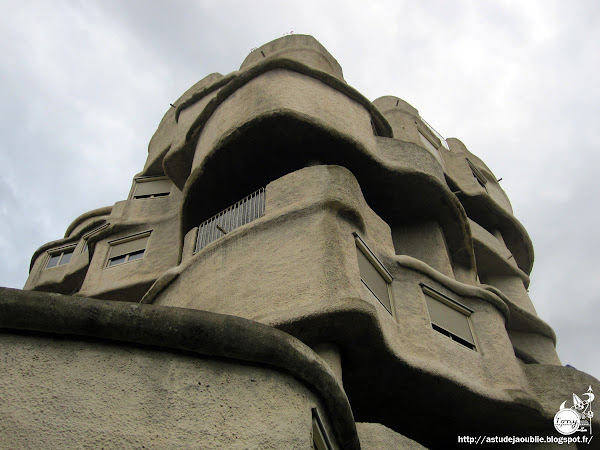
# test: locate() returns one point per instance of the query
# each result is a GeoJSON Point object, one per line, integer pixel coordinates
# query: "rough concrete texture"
{"type": "Point", "coordinates": [334, 166]}
{"type": "Point", "coordinates": [115, 396]}
{"type": "Point", "coordinates": [374, 436]}
{"type": "Point", "coordinates": [198, 334]}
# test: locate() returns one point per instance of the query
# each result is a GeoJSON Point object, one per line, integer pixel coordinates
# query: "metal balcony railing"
{"type": "Point", "coordinates": [245, 211]}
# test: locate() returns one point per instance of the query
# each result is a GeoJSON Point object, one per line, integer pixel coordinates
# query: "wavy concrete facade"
{"type": "Point", "coordinates": [377, 267]}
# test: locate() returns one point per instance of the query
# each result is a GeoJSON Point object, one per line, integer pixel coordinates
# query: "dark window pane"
{"type": "Point", "coordinates": [53, 260]}
{"type": "Point", "coordinates": [117, 260]}
{"type": "Point", "coordinates": [66, 257]}
{"type": "Point", "coordinates": [136, 255]}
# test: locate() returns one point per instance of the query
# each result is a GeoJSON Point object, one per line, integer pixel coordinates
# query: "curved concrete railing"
{"type": "Point", "coordinates": [197, 332]}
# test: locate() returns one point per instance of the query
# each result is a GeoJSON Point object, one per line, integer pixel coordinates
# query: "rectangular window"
{"type": "Point", "coordinates": [128, 249]}
{"type": "Point", "coordinates": [152, 187]}
{"type": "Point", "coordinates": [60, 257]}
{"type": "Point", "coordinates": [245, 211]}
{"type": "Point", "coordinates": [373, 275]}
{"type": "Point", "coordinates": [320, 439]}
{"type": "Point", "coordinates": [449, 318]}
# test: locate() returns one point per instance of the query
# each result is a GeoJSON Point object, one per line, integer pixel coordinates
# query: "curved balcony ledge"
{"type": "Point", "coordinates": [498, 255]}
{"type": "Point", "coordinates": [104, 211]}
{"type": "Point", "coordinates": [515, 236]}
{"type": "Point", "coordinates": [352, 323]}
{"type": "Point", "coordinates": [64, 279]}
{"type": "Point", "coordinates": [482, 208]}
{"type": "Point", "coordinates": [178, 160]}
{"type": "Point", "coordinates": [396, 177]}
{"type": "Point", "coordinates": [192, 331]}
{"type": "Point", "coordinates": [162, 139]}
{"type": "Point", "coordinates": [521, 319]}
{"type": "Point", "coordinates": [299, 47]}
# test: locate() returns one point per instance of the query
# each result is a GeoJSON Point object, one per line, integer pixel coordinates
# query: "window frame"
{"type": "Point", "coordinates": [478, 175]}
{"type": "Point", "coordinates": [66, 249]}
{"type": "Point", "coordinates": [436, 143]}
{"type": "Point", "coordinates": [379, 267]}
{"type": "Point", "coordinates": [322, 442]}
{"type": "Point", "coordinates": [138, 236]}
{"type": "Point", "coordinates": [86, 236]}
{"type": "Point", "coordinates": [142, 180]}
{"type": "Point", "coordinates": [460, 308]}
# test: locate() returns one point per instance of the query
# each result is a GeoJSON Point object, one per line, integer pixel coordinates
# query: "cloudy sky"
{"type": "Point", "coordinates": [84, 84]}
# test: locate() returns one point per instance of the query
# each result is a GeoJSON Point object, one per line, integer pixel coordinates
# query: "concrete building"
{"type": "Point", "coordinates": [295, 266]}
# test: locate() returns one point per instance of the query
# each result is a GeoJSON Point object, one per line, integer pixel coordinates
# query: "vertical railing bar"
{"type": "Point", "coordinates": [240, 213]}
{"type": "Point", "coordinates": [228, 227]}
{"type": "Point", "coordinates": [234, 224]}
{"type": "Point", "coordinates": [198, 239]}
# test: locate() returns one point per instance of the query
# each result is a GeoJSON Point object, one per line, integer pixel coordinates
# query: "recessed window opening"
{"type": "Point", "coordinates": [430, 143]}
{"type": "Point", "coordinates": [373, 274]}
{"type": "Point", "coordinates": [320, 438]}
{"type": "Point", "coordinates": [152, 187]}
{"type": "Point", "coordinates": [479, 176]}
{"type": "Point", "coordinates": [86, 237]}
{"type": "Point", "coordinates": [435, 133]}
{"type": "Point", "coordinates": [449, 318]}
{"type": "Point", "coordinates": [127, 250]}
{"type": "Point", "coordinates": [374, 128]}
{"type": "Point", "coordinates": [60, 258]}
{"type": "Point", "coordinates": [244, 211]}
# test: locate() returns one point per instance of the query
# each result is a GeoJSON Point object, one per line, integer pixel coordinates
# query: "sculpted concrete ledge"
{"type": "Point", "coordinates": [197, 332]}
{"type": "Point", "coordinates": [482, 208]}
{"type": "Point", "coordinates": [178, 161]}
{"type": "Point", "coordinates": [389, 397]}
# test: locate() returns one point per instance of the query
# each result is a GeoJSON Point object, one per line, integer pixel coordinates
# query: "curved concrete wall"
{"type": "Point", "coordinates": [334, 166]}
{"type": "Point", "coordinates": [100, 373]}
{"type": "Point", "coordinates": [145, 399]}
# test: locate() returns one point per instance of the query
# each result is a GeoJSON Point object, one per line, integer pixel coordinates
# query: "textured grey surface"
{"type": "Point", "coordinates": [334, 165]}
{"type": "Point", "coordinates": [201, 334]}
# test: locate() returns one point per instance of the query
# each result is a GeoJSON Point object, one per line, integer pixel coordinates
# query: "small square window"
{"type": "Point", "coordinates": [449, 318]}
{"type": "Point", "coordinates": [373, 275]}
{"type": "Point", "coordinates": [127, 250]}
{"type": "Point", "coordinates": [60, 258]}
